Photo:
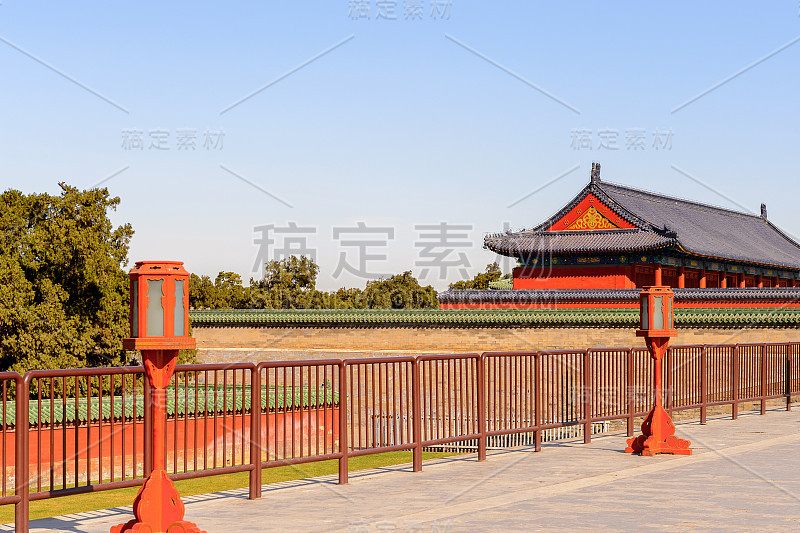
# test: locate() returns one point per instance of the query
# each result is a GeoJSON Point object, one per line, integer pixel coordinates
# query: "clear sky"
{"type": "Point", "coordinates": [362, 122]}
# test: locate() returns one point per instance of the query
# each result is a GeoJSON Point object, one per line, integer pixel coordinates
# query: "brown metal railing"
{"type": "Point", "coordinates": [86, 430]}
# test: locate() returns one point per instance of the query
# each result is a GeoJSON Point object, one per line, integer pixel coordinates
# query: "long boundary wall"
{"type": "Point", "coordinates": [241, 343]}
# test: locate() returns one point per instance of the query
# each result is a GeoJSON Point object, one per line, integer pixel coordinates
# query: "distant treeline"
{"type": "Point", "coordinates": [291, 284]}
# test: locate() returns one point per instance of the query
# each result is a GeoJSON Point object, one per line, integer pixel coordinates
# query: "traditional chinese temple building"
{"type": "Point", "coordinates": [610, 240]}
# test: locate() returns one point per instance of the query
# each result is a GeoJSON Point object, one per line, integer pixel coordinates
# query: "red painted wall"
{"type": "Point", "coordinates": [282, 435]}
{"type": "Point", "coordinates": [578, 277]}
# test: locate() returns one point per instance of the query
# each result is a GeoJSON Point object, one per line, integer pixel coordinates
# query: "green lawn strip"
{"type": "Point", "coordinates": [189, 487]}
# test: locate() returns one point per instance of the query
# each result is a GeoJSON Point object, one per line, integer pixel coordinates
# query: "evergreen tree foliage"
{"type": "Point", "coordinates": [481, 279]}
{"type": "Point", "coordinates": [63, 290]}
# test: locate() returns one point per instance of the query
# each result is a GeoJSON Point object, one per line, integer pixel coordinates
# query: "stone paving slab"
{"type": "Point", "coordinates": [741, 477]}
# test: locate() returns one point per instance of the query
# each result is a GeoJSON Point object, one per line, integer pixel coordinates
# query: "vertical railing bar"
{"type": "Point", "coordinates": [316, 396]}
{"type": "Point", "coordinates": [587, 398]}
{"type": "Point", "coordinates": [343, 445]}
{"type": "Point", "coordinates": [225, 417]}
{"type": "Point", "coordinates": [788, 375]}
{"type": "Point", "coordinates": [197, 421]}
{"type": "Point", "coordinates": [294, 447]}
{"type": "Point", "coordinates": [186, 408]}
{"type": "Point", "coordinates": [735, 371]}
{"type": "Point", "coordinates": [355, 416]}
{"type": "Point", "coordinates": [371, 424]}
{"type": "Point", "coordinates": [269, 410]}
{"type": "Point", "coordinates": [285, 395]}
{"type": "Point", "coordinates": [39, 434]}
{"type": "Point", "coordinates": [22, 455]}
{"type": "Point", "coordinates": [255, 432]}
{"type": "Point", "coordinates": [134, 418]}
{"type": "Point", "coordinates": [630, 392]}
{"type": "Point", "coordinates": [480, 360]}
{"type": "Point", "coordinates": [537, 399]}
{"type": "Point", "coordinates": [5, 436]}
{"type": "Point", "coordinates": [416, 415]}
{"type": "Point", "coordinates": [423, 376]}
{"type": "Point", "coordinates": [763, 375]}
{"type": "Point", "coordinates": [52, 434]}
{"type": "Point", "coordinates": [703, 384]}
{"type": "Point", "coordinates": [327, 412]}
{"type": "Point", "coordinates": [111, 399]}
{"type": "Point", "coordinates": [216, 410]}
{"type": "Point", "coordinates": [447, 384]}
{"type": "Point", "coordinates": [63, 430]}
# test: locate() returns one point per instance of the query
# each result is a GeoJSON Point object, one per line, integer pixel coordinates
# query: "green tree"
{"type": "Point", "coordinates": [288, 283]}
{"type": "Point", "coordinates": [226, 292]}
{"type": "Point", "coordinates": [63, 290]}
{"type": "Point", "coordinates": [401, 291]}
{"type": "Point", "coordinates": [481, 279]}
{"type": "Point", "coordinates": [230, 293]}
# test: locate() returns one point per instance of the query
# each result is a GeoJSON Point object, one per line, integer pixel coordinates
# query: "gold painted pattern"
{"type": "Point", "coordinates": [592, 220]}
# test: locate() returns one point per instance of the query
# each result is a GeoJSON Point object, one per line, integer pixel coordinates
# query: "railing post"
{"type": "Point", "coordinates": [587, 397]}
{"type": "Point", "coordinates": [630, 392]}
{"type": "Point", "coordinates": [255, 432]}
{"type": "Point", "coordinates": [416, 413]}
{"type": "Point", "coordinates": [481, 407]}
{"type": "Point", "coordinates": [788, 375]}
{"type": "Point", "coordinates": [735, 367]}
{"type": "Point", "coordinates": [703, 385]}
{"type": "Point", "coordinates": [22, 457]}
{"type": "Point", "coordinates": [147, 392]}
{"type": "Point", "coordinates": [537, 399]}
{"type": "Point", "coordinates": [763, 378]}
{"type": "Point", "coordinates": [343, 418]}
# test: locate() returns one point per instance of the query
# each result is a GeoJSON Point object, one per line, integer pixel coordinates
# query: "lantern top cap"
{"type": "Point", "coordinates": [163, 268]}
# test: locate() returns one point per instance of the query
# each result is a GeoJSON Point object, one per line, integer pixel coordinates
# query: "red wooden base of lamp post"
{"type": "Point", "coordinates": [158, 506]}
{"type": "Point", "coordinates": [159, 328]}
{"type": "Point", "coordinates": [658, 430]}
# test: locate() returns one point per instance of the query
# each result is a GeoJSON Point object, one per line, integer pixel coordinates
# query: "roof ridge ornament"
{"type": "Point", "coordinates": [595, 175]}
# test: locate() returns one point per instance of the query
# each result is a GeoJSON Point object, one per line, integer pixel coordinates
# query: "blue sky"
{"type": "Point", "coordinates": [447, 117]}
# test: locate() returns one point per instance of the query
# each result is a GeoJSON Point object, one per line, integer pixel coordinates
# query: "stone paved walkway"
{"type": "Point", "coordinates": [743, 476]}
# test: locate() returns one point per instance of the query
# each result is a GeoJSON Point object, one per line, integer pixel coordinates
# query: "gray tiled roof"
{"type": "Point", "coordinates": [661, 221]}
{"type": "Point", "coordinates": [711, 231]}
{"type": "Point", "coordinates": [578, 241]}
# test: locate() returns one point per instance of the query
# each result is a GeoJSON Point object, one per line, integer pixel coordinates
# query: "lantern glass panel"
{"type": "Point", "coordinates": [644, 303]}
{"type": "Point", "coordinates": [671, 315]}
{"type": "Point", "coordinates": [658, 312]}
{"type": "Point", "coordinates": [155, 308]}
{"type": "Point", "coordinates": [135, 307]}
{"type": "Point", "coordinates": [179, 316]}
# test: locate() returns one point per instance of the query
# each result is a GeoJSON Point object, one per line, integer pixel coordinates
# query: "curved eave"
{"type": "Point", "coordinates": [647, 241]}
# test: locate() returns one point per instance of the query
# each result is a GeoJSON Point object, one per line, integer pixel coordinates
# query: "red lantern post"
{"type": "Point", "coordinates": [159, 328]}
{"type": "Point", "coordinates": [657, 326]}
